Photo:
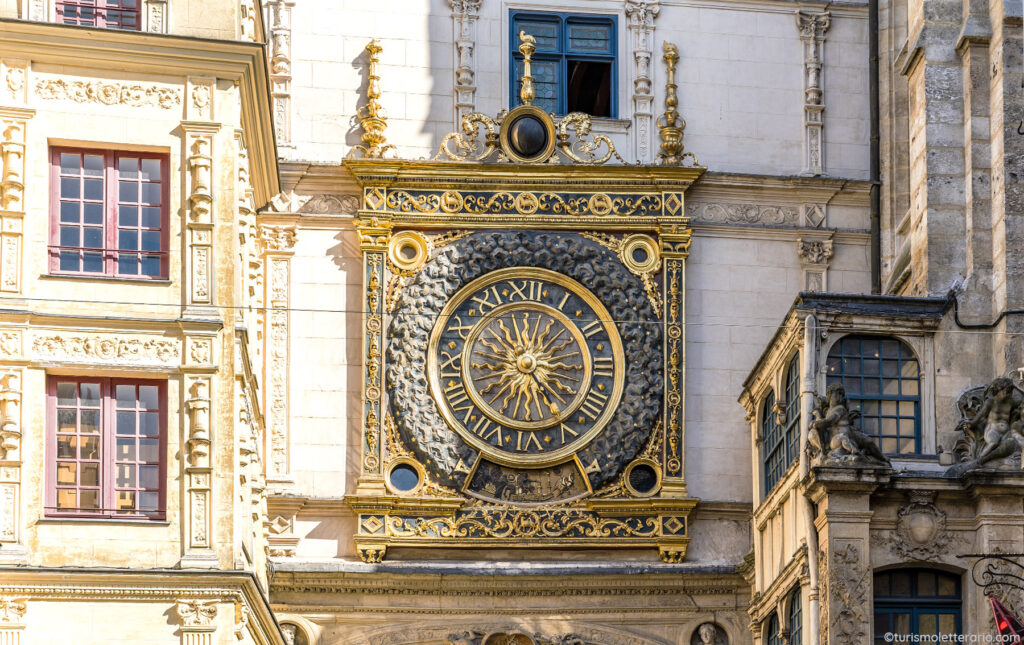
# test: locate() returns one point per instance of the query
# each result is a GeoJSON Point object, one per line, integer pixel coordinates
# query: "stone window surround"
{"type": "Point", "coordinates": [107, 443]}
{"type": "Point", "coordinates": [153, 14]}
{"type": "Point", "coordinates": [110, 214]}
{"type": "Point", "coordinates": [594, 8]}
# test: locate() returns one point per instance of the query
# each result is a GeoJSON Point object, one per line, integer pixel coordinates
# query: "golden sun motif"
{"type": "Point", "coordinates": [535, 367]}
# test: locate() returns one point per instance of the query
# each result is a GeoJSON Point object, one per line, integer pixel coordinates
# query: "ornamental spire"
{"type": "Point", "coordinates": [528, 45]}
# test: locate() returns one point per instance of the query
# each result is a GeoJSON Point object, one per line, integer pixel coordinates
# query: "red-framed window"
{"type": "Point", "coordinates": [111, 14]}
{"type": "Point", "coordinates": [109, 213]}
{"type": "Point", "coordinates": [106, 447]}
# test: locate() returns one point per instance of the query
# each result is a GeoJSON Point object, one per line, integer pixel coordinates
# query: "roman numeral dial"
{"type": "Point", "coordinates": [526, 365]}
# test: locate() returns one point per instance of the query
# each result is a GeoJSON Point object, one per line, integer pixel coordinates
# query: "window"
{"type": "Point", "coordinates": [795, 619]}
{"type": "Point", "coordinates": [772, 635]}
{"type": "Point", "coordinates": [112, 14]}
{"type": "Point", "coordinates": [882, 380]}
{"type": "Point", "coordinates": [574, 66]}
{"type": "Point", "coordinates": [781, 441]}
{"type": "Point", "coordinates": [109, 213]}
{"type": "Point", "coordinates": [916, 602]}
{"type": "Point", "coordinates": [105, 448]}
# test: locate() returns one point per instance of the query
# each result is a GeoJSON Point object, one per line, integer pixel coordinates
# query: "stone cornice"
{"type": "Point", "coordinates": [780, 189]}
{"type": "Point", "coordinates": [242, 62]}
{"type": "Point", "coordinates": [167, 585]}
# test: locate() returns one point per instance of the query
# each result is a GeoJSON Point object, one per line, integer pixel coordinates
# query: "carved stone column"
{"type": "Point", "coordinates": [675, 245]}
{"type": "Point", "coordinates": [641, 15]}
{"type": "Point", "coordinates": [198, 512]}
{"type": "Point", "coordinates": [199, 218]}
{"type": "Point", "coordinates": [12, 611]}
{"type": "Point", "coordinates": [279, 37]}
{"type": "Point", "coordinates": [14, 118]}
{"type": "Point", "coordinates": [197, 621]}
{"type": "Point", "coordinates": [10, 467]}
{"type": "Point", "coordinates": [278, 244]}
{"type": "Point", "coordinates": [815, 255]}
{"type": "Point", "coordinates": [373, 241]}
{"type": "Point", "coordinates": [464, 15]}
{"type": "Point", "coordinates": [812, 32]}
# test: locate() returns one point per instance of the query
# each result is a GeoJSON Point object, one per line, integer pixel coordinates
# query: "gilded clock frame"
{"type": "Point", "coordinates": [433, 203]}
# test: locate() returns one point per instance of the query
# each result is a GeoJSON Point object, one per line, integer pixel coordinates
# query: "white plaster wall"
{"type": "Point", "coordinates": [740, 78]}
{"type": "Point", "coordinates": [326, 384]}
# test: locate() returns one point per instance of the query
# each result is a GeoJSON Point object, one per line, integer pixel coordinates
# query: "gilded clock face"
{"type": "Point", "coordinates": [526, 365]}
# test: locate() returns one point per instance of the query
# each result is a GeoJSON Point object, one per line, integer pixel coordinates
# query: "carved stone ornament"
{"type": "Point", "coordinates": [516, 637]}
{"type": "Point", "coordinates": [991, 428]}
{"type": "Point", "coordinates": [814, 251]}
{"type": "Point", "coordinates": [464, 17]}
{"type": "Point", "coordinates": [109, 93]}
{"type": "Point", "coordinates": [105, 348]}
{"type": "Point", "coordinates": [833, 441]}
{"type": "Point", "coordinates": [709, 634]}
{"type": "Point", "coordinates": [920, 529]}
{"type": "Point", "coordinates": [641, 15]}
{"type": "Point", "coordinates": [12, 609]}
{"type": "Point", "coordinates": [736, 213]}
{"type": "Point", "coordinates": [419, 306]}
{"type": "Point", "coordinates": [196, 613]}
{"type": "Point", "coordinates": [10, 424]}
{"type": "Point", "coordinates": [848, 596]}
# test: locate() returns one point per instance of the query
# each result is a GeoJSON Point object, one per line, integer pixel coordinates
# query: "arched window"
{"type": "Point", "coordinates": [773, 635]}
{"type": "Point", "coordinates": [774, 446]}
{"type": "Point", "coordinates": [882, 379]}
{"type": "Point", "coordinates": [795, 618]}
{"type": "Point", "coordinates": [921, 602]}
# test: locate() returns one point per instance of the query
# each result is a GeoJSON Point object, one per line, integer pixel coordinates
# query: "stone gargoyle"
{"type": "Point", "coordinates": [991, 428]}
{"type": "Point", "coordinates": [833, 441]}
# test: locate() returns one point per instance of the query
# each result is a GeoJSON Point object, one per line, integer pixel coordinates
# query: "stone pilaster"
{"type": "Point", "coordinates": [815, 254]}
{"type": "Point", "coordinates": [199, 218]}
{"type": "Point", "coordinates": [155, 16]}
{"type": "Point", "coordinates": [279, 37]}
{"type": "Point", "coordinates": [464, 17]}
{"type": "Point", "coordinates": [812, 28]}
{"type": "Point", "coordinates": [14, 118]}
{"type": "Point", "coordinates": [641, 15]}
{"type": "Point", "coordinates": [10, 466]}
{"type": "Point", "coordinates": [12, 614]}
{"type": "Point", "coordinates": [198, 475]}
{"type": "Point", "coordinates": [843, 499]}
{"type": "Point", "coordinates": [38, 10]}
{"type": "Point", "coordinates": [197, 621]}
{"type": "Point", "coordinates": [278, 247]}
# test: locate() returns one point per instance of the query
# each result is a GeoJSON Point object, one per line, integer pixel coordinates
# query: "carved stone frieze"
{"type": "Point", "coordinates": [109, 93]}
{"type": "Point", "coordinates": [105, 348]}
{"type": "Point", "coordinates": [812, 28]}
{"type": "Point", "coordinates": [739, 213]}
{"type": "Point", "coordinates": [503, 634]}
{"type": "Point", "coordinates": [641, 15]}
{"type": "Point", "coordinates": [844, 614]}
{"type": "Point", "coordinates": [464, 17]}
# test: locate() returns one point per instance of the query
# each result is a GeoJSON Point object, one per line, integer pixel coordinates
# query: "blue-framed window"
{"type": "Point", "coordinates": [781, 441]}
{"type": "Point", "coordinates": [917, 602]}
{"type": "Point", "coordinates": [772, 631]}
{"type": "Point", "coordinates": [882, 379]}
{"type": "Point", "coordinates": [574, 68]}
{"type": "Point", "coordinates": [795, 619]}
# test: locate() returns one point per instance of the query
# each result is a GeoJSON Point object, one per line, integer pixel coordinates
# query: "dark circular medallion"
{"type": "Point", "coordinates": [643, 478]}
{"type": "Point", "coordinates": [528, 136]}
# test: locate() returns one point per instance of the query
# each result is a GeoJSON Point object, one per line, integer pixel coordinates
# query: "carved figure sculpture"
{"type": "Point", "coordinates": [832, 439]}
{"type": "Point", "coordinates": [707, 633]}
{"type": "Point", "coordinates": [992, 427]}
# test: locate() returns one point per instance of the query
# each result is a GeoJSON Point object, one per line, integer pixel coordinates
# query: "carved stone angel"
{"type": "Point", "coordinates": [991, 427]}
{"type": "Point", "coordinates": [833, 441]}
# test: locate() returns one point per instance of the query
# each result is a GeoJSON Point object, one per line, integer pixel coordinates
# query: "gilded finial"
{"type": "Point", "coordinates": [371, 115]}
{"type": "Point", "coordinates": [528, 45]}
{"type": "Point", "coordinates": [670, 124]}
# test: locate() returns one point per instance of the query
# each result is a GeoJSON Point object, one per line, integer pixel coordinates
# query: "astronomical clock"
{"type": "Point", "coordinates": [523, 334]}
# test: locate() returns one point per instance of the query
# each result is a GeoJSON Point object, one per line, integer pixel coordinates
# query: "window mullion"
{"type": "Point", "coordinates": [109, 213]}
{"type": "Point", "coordinates": [107, 437]}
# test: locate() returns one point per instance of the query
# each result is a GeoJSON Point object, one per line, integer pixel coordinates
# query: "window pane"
{"type": "Point", "coordinates": [69, 163]}
{"type": "Point", "coordinates": [93, 189]}
{"type": "Point", "coordinates": [90, 448]}
{"type": "Point", "coordinates": [150, 240]}
{"type": "Point", "coordinates": [151, 169]}
{"type": "Point", "coordinates": [92, 238]}
{"type": "Point", "coordinates": [128, 215]}
{"type": "Point", "coordinates": [125, 423]}
{"type": "Point", "coordinates": [69, 261]}
{"type": "Point", "coordinates": [128, 167]}
{"type": "Point", "coordinates": [125, 475]}
{"type": "Point", "coordinates": [66, 421]}
{"type": "Point", "coordinates": [545, 32]}
{"type": "Point", "coordinates": [926, 584]}
{"type": "Point", "coordinates": [66, 393]}
{"type": "Point", "coordinates": [66, 446]}
{"type": "Point", "coordinates": [148, 501]}
{"type": "Point", "coordinates": [125, 396]}
{"type": "Point", "coordinates": [149, 397]}
{"type": "Point", "coordinates": [150, 217]}
{"type": "Point", "coordinates": [67, 472]}
{"type": "Point", "coordinates": [67, 499]}
{"type": "Point", "coordinates": [909, 388]}
{"type": "Point", "coordinates": [69, 211]}
{"type": "Point", "coordinates": [947, 624]}
{"type": "Point", "coordinates": [128, 240]}
{"type": "Point", "coordinates": [125, 500]}
{"type": "Point", "coordinates": [128, 192]}
{"type": "Point", "coordinates": [69, 187]}
{"type": "Point", "coordinates": [69, 236]}
{"type": "Point", "coordinates": [128, 264]}
{"type": "Point", "coordinates": [150, 265]}
{"type": "Point", "coordinates": [149, 424]}
{"type": "Point", "coordinates": [590, 38]}
{"type": "Point", "coordinates": [90, 393]}
{"type": "Point", "coordinates": [151, 193]}
{"type": "Point", "coordinates": [927, 624]}
{"type": "Point", "coordinates": [93, 213]}
{"type": "Point", "coordinates": [901, 624]}
{"type": "Point", "coordinates": [90, 421]}
{"type": "Point", "coordinates": [947, 586]}
{"type": "Point", "coordinates": [590, 87]}
{"type": "Point", "coordinates": [93, 166]}
{"type": "Point", "coordinates": [90, 474]}
{"type": "Point", "coordinates": [149, 476]}
{"type": "Point", "coordinates": [149, 450]}
{"type": "Point", "coordinates": [92, 262]}
{"type": "Point", "coordinates": [88, 499]}
{"type": "Point", "coordinates": [125, 449]}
